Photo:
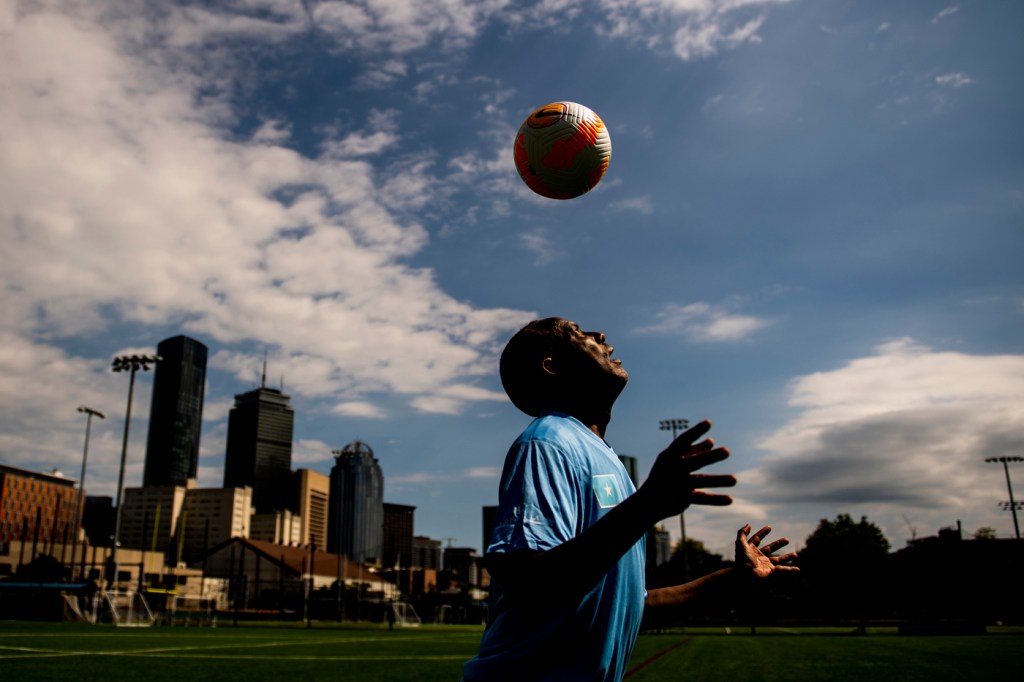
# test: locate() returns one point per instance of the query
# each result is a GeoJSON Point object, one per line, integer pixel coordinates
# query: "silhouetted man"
{"type": "Point", "coordinates": [566, 555]}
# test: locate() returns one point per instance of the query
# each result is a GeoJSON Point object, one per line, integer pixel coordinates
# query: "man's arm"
{"type": "Point", "coordinates": [753, 563]}
{"type": "Point", "coordinates": [573, 568]}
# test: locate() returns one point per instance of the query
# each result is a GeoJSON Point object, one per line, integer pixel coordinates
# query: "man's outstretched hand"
{"type": "Point", "coordinates": [761, 561]}
{"type": "Point", "coordinates": [672, 485]}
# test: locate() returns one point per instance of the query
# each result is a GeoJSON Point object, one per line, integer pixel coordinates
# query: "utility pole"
{"type": "Point", "coordinates": [1013, 505]}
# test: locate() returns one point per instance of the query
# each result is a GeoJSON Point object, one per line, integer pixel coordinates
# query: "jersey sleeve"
{"type": "Point", "coordinates": [538, 500]}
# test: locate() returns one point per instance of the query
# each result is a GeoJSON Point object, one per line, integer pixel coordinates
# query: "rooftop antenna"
{"type": "Point", "coordinates": [913, 529]}
{"type": "Point", "coordinates": [263, 379]}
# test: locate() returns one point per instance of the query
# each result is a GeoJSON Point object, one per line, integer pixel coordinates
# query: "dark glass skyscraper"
{"type": "Point", "coordinates": [259, 448]}
{"type": "Point", "coordinates": [356, 515]}
{"type": "Point", "coordinates": [176, 413]}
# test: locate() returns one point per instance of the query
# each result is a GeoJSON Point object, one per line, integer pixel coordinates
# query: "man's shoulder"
{"type": "Point", "coordinates": [552, 427]}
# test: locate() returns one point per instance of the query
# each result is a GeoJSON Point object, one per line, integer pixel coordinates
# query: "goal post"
{"type": "Point", "coordinates": [405, 615]}
{"type": "Point", "coordinates": [192, 609]}
{"type": "Point", "coordinates": [128, 609]}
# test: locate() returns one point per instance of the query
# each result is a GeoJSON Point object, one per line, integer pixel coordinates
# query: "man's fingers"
{"type": "Point", "coordinates": [702, 459]}
{"type": "Point", "coordinates": [776, 545]}
{"type": "Point", "coordinates": [756, 538]}
{"type": "Point", "coordinates": [685, 441]}
{"type": "Point", "coordinates": [709, 499]}
{"type": "Point", "coordinates": [694, 433]}
{"type": "Point", "coordinates": [713, 480]}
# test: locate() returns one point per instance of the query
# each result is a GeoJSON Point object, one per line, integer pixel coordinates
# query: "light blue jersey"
{"type": "Point", "coordinates": [559, 479]}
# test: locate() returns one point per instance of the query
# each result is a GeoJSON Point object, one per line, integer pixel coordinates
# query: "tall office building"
{"type": "Point", "coordinates": [176, 413]}
{"type": "Point", "coordinates": [259, 447]}
{"type": "Point", "coordinates": [426, 553]}
{"type": "Point", "coordinates": [396, 540]}
{"type": "Point", "coordinates": [356, 514]}
{"type": "Point", "coordinates": [310, 492]}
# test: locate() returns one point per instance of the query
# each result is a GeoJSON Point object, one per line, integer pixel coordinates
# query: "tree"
{"type": "Point", "coordinates": [844, 566]}
{"type": "Point", "coordinates": [985, 533]}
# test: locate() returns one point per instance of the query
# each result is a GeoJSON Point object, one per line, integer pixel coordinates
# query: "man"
{"type": "Point", "coordinates": [566, 555]}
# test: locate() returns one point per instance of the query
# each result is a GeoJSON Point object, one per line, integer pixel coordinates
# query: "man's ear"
{"type": "Point", "coordinates": [548, 365]}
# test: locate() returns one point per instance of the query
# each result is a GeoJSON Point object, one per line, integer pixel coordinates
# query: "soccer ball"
{"type": "Point", "coordinates": [562, 150]}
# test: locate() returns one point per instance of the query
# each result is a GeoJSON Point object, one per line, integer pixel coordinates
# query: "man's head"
{"type": "Point", "coordinates": [551, 364]}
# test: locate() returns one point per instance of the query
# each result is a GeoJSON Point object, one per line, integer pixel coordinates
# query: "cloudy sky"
{"type": "Point", "coordinates": [811, 232]}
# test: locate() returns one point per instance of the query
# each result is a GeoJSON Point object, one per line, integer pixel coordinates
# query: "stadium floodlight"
{"type": "Point", "coordinates": [132, 364]}
{"type": "Point", "coordinates": [90, 413]}
{"type": "Point", "coordinates": [676, 425]}
{"type": "Point", "coordinates": [1006, 468]}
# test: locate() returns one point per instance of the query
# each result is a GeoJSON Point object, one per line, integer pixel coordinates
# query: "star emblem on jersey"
{"type": "Point", "coordinates": [606, 488]}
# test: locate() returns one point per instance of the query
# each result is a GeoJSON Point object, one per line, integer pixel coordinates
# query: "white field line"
{"type": "Point", "coordinates": [167, 652]}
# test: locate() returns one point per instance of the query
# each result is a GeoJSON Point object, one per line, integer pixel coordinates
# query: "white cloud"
{"type": "Point", "coordinates": [306, 451]}
{"type": "Point", "coordinates": [359, 408]}
{"type": "Point", "coordinates": [703, 322]}
{"type": "Point", "coordinates": [123, 181]}
{"type": "Point", "coordinates": [540, 244]}
{"type": "Point", "coordinates": [452, 399]}
{"type": "Point", "coordinates": [954, 80]}
{"type": "Point", "coordinates": [482, 472]}
{"type": "Point", "coordinates": [904, 430]}
{"type": "Point", "coordinates": [642, 204]}
{"type": "Point", "coordinates": [693, 29]}
{"type": "Point", "coordinates": [948, 11]}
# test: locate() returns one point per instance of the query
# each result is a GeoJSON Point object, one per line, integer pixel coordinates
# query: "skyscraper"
{"type": "Point", "coordinates": [396, 536]}
{"type": "Point", "coordinates": [259, 447]}
{"type": "Point", "coordinates": [176, 413]}
{"type": "Point", "coordinates": [356, 515]}
{"type": "Point", "coordinates": [309, 499]}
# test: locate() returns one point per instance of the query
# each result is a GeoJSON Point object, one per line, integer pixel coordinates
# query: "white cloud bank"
{"type": "Point", "coordinates": [126, 202]}
{"type": "Point", "coordinates": [904, 431]}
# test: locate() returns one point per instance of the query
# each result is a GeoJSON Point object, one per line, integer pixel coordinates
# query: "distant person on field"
{"type": "Point", "coordinates": [567, 552]}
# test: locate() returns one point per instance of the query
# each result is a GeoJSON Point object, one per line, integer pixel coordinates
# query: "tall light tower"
{"type": "Point", "coordinates": [1006, 468]}
{"type": "Point", "coordinates": [676, 425]}
{"type": "Point", "coordinates": [90, 413]}
{"type": "Point", "coordinates": [132, 364]}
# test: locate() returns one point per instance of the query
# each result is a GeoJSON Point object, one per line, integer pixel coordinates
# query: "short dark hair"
{"type": "Point", "coordinates": [521, 362]}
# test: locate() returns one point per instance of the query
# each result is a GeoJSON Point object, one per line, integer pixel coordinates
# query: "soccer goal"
{"type": "Point", "coordinates": [405, 615]}
{"type": "Point", "coordinates": [190, 609]}
{"type": "Point", "coordinates": [128, 609]}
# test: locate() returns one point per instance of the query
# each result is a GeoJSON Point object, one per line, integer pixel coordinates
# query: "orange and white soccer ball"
{"type": "Point", "coordinates": [562, 150]}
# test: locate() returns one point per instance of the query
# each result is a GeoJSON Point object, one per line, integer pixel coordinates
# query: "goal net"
{"type": "Point", "coordinates": [128, 609]}
{"type": "Point", "coordinates": [405, 615]}
{"type": "Point", "coordinates": [192, 610]}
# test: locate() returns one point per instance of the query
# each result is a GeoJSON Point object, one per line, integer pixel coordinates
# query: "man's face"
{"type": "Point", "coordinates": [590, 359]}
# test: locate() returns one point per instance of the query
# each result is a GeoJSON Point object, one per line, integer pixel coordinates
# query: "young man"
{"type": "Point", "coordinates": [566, 555]}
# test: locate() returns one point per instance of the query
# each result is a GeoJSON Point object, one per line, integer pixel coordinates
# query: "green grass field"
{"type": "Point", "coordinates": [53, 651]}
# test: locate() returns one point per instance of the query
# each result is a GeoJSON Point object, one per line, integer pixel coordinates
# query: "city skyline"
{"type": "Point", "coordinates": [809, 232]}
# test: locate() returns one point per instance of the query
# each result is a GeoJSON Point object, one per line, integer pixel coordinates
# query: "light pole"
{"type": "Point", "coordinates": [1009, 488]}
{"type": "Point", "coordinates": [132, 364]}
{"type": "Point", "coordinates": [676, 425]}
{"type": "Point", "coordinates": [90, 413]}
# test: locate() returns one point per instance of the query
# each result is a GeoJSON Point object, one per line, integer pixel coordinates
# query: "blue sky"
{"type": "Point", "coordinates": [811, 232]}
